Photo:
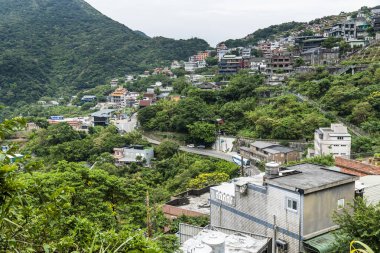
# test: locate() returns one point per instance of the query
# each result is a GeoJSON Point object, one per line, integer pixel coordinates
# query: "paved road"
{"type": "Point", "coordinates": [204, 152]}
{"type": "Point", "coordinates": [129, 125]}
{"type": "Point", "coordinates": [126, 125]}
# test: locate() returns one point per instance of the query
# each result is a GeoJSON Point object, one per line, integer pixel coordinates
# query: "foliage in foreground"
{"type": "Point", "coordinates": [359, 222]}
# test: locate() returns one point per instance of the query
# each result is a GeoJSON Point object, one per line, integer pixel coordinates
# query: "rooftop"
{"type": "Point", "coordinates": [312, 178]}
{"type": "Point", "coordinates": [103, 113]}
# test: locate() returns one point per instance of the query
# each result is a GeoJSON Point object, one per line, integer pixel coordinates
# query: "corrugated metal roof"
{"type": "Point", "coordinates": [321, 244]}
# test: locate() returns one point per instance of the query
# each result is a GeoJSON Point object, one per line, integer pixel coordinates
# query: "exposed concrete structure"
{"type": "Point", "coordinates": [192, 203]}
{"type": "Point", "coordinates": [291, 205]}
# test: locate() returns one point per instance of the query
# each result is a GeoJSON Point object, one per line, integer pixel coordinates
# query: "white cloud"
{"type": "Point", "coordinates": [217, 20]}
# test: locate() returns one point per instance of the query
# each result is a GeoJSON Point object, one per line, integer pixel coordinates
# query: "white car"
{"type": "Point", "coordinates": [191, 146]}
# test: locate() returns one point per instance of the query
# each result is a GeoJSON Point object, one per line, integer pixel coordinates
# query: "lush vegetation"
{"type": "Point", "coordinates": [72, 47]}
{"type": "Point", "coordinates": [72, 198]}
{"type": "Point", "coordinates": [246, 105]}
{"type": "Point", "coordinates": [355, 98]}
{"type": "Point", "coordinates": [358, 222]}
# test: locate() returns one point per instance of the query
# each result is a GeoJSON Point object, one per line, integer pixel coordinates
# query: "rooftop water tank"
{"type": "Point", "coordinates": [195, 246]}
{"type": "Point", "coordinates": [272, 169]}
{"type": "Point", "coordinates": [214, 239]}
{"type": "Point", "coordinates": [244, 243]}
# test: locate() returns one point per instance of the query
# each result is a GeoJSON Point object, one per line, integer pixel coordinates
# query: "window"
{"type": "Point", "coordinates": [340, 138]}
{"type": "Point", "coordinates": [291, 204]}
{"type": "Point", "coordinates": [343, 145]}
{"type": "Point", "coordinates": [340, 204]}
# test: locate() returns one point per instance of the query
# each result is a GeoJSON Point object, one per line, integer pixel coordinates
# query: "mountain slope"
{"type": "Point", "coordinates": [49, 47]}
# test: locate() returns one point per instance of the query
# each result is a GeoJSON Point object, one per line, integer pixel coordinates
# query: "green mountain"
{"type": "Point", "coordinates": [51, 47]}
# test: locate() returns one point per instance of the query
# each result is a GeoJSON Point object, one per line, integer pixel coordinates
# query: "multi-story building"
{"type": "Point", "coordinates": [265, 48]}
{"type": "Point", "coordinates": [119, 96]}
{"type": "Point", "coordinates": [114, 82]}
{"type": "Point", "coordinates": [246, 53]}
{"type": "Point", "coordinates": [262, 151]}
{"type": "Point", "coordinates": [292, 205]}
{"type": "Point", "coordinates": [280, 61]}
{"type": "Point", "coordinates": [230, 64]}
{"type": "Point", "coordinates": [102, 117]}
{"type": "Point", "coordinates": [334, 140]}
{"type": "Point", "coordinates": [190, 66]}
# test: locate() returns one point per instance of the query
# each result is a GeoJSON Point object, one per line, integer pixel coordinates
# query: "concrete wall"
{"type": "Point", "coordinates": [254, 212]}
{"type": "Point", "coordinates": [320, 206]}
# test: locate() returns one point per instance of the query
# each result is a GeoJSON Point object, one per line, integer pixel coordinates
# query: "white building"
{"type": "Point", "coordinates": [190, 66]}
{"type": "Point", "coordinates": [334, 140]}
{"type": "Point", "coordinates": [246, 53]}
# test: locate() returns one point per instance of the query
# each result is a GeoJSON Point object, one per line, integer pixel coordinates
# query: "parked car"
{"type": "Point", "coordinates": [201, 146]}
{"type": "Point", "coordinates": [191, 146]}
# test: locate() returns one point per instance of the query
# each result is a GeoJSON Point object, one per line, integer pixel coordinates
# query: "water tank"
{"type": "Point", "coordinates": [195, 246]}
{"type": "Point", "coordinates": [272, 169]}
{"type": "Point", "coordinates": [243, 243]}
{"type": "Point", "coordinates": [214, 239]}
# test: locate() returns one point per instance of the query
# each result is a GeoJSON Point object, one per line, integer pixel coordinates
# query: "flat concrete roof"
{"type": "Point", "coordinates": [311, 178]}
{"type": "Point", "coordinates": [198, 203]}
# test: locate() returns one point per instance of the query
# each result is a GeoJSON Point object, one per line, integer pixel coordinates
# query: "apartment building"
{"type": "Point", "coordinates": [334, 140]}
{"type": "Point", "coordinates": [230, 64]}
{"type": "Point", "coordinates": [118, 97]}
{"type": "Point", "coordinates": [292, 205]}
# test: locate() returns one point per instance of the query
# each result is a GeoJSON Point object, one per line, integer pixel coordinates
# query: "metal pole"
{"type": "Point", "coordinates": [274, 234]}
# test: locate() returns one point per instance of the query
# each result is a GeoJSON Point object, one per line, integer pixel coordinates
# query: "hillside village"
{"type": "Point", "coordinates": [282, 181]}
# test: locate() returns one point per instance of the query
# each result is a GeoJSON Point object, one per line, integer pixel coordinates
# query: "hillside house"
{"type": "Point", "coordinates": [261, 151]}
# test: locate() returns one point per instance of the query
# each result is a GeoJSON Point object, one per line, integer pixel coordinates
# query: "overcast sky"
{"type": "Point", "coordinates": [217, 20]}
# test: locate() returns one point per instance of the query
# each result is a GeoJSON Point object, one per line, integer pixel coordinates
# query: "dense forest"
{"type": "Point", "coordinates": [53, 47]}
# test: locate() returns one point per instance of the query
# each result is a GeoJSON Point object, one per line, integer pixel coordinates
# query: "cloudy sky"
{"type": "Point", "coordinates": [217, 20]}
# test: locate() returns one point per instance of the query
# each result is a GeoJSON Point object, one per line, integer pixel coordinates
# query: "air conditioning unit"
{"type": "Point", "coordinates": [282, 245]}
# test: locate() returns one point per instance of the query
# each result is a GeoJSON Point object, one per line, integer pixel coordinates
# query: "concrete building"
{"type": "Point", "coordinates": [320, 56]}
{"type": "Point", "coordinates": [119, 97]}
{"type": "Point", "coordinates": [102, 117]}
{"type": "Point", "coordinates": [114, 83]}
{"type": "Point", "coordinates": [261, 151]}
{"type": "Point", "coordinates": [280, 61]}
{"type": "Point", "coordinates": [190, 66]}
{"type": "Point", "coordinates": [133, 154]}
{"type": "Point", "coordinates": [369, 187]}
{"type": "Point", "coordinates": [292, 205]}
{"type": "Point", "coordinates": [246, 53]}
{"type": "Point", "coordinates": [88, 98]}
{"type": "Point", "coordinates": [230, 64]}
{"type": "Point", "coordinates": [334, 140]}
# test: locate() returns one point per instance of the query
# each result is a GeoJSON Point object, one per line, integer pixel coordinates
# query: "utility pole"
{"type": "Point", "coordinates": [148, 222]}
{"type": "Point", "coordinates": [242, 165]}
